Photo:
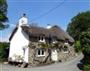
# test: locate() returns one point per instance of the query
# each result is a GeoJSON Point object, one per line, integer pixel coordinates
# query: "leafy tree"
{"type": "Point", "coordinates": [85, 41]}
{"type": "Point", "coordinates": [80, 23]}
{"type": "Point", "coordinates": [85, 44]}
{"type": "Point", "coordinates": [3, 13]}
{"type": "Point", "coordinates": [79, 29]}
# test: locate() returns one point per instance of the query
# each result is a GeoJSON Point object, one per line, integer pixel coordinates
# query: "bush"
{"type": "Point", "coordinates": [85, 44]}
{"type": "Point", "coordinates": [86, 57]}
{"type": "Point", "coordinates": [77, 46]}
{"type": "Point", "coordinates": [4, 51]}
{"type": "Point", "coordinates": [85, 41]}
{"type": "Point", "coordinates": [87, 67]}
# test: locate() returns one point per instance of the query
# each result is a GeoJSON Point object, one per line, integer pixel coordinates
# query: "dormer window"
{"type": "Point", "coordinates": [41, 39]}
{"type": "Point", "coordinates": [65, 49]}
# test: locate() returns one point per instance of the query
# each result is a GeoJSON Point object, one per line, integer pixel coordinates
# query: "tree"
{"type": "Point", "coordinates": [3, 13]}
{"type": "Point", "coordinates": [80, 23]}
{"type": "Point", "coordinates": [79, 29]}
{"type": "Point", "coordinates": [85, 44]}
{"type": "Point", "coordinates": [85, 41]}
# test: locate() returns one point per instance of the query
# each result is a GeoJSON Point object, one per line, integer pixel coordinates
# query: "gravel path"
{"type": "Point", "coordinates": [67, 66]}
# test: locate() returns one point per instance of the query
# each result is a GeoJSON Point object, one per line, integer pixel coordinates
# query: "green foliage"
{"type": "Point", "coordinates": [44, 45]}
{"type": "Point", "coordinates": [87, 67]}
{"type": "Point", "coordinates": [3, 17]}
{"type": "Point", "coordinates": [55, 45]}
{"type": "Point", "coordinates": [3, 12]}
{"type": "Point", "coordinates": [52, 45]}
{"type": "Point", "coordinates": [85, 44]}
{"type": "Point", "coordinates": [79, 29]}
{"type": "Point", "coordinates": [2, 1]}
{"type": "Point", "coordinates": [80, 23]}
{"type": "Point", "coordinates": [77, 46]}
{"type": "Point", "coordinates": [3, 6]}
{"type": "Point", "coordinates": [87, 59]}
{"type": "Point", "coordinates": [3, 52]}
{"type": "Point", "coordinates": [85, 41]}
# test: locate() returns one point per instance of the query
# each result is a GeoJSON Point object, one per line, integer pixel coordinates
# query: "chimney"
{"type": "Point", "coordinates": [23, 20]}
{"type": "Point", "coordinates": [48, 26]}
{"type": "Point", "coordinates": [24, 15]}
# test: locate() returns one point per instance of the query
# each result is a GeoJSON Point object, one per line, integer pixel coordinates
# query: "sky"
{"type": "Point", "coordinates": [40, 12]}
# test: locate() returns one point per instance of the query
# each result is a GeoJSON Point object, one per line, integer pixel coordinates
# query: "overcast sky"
{"type": "Point", "coordinates": [63, 11]}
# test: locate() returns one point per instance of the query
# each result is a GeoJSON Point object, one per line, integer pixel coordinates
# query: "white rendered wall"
{"type": "Point", "coordinates": [19, 41]}
{"type": "Point", "coordinates": [23, 21]}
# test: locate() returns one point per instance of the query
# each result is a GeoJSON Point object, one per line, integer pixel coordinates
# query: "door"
{"type": "Point", "coordinates": [54, 55]}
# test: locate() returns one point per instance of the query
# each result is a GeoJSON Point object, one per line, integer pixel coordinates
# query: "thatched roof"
{"type": "Point", "coordinates": [61, 33]}
{"type": "Point", "coordinates": [36, 31]}
{"type": "Point", "coordinates": [55, 31]}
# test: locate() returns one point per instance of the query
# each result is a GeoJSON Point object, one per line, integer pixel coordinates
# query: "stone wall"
{"type": "Point", "coordinates": [62, 57]}
{"type": "Point", "coordinates": [34, 60]}
{"type": "Point", "coordinates": [66, 56]}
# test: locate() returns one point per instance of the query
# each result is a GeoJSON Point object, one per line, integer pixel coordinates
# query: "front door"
{"type": "Point", "coordinates": [54, 55]}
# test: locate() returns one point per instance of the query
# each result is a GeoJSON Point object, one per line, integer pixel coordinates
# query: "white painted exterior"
{"type": "Point", "coordinates": [19, 43]}
{"type": "Point", "coordinates": [54, 55]}
{"type": "Point", "coordinates": [49, 26]}
{"type": "Point", "coordinates": [23, 21]}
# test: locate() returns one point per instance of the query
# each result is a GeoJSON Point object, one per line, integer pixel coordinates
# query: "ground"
{"type": "Point", "coordinates": [71, 65]}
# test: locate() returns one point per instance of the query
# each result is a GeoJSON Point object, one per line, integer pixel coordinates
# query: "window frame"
{"type": "Point", "coordinates": [40, 52]}
{"type": "Point", "coordinates": [65, 49]}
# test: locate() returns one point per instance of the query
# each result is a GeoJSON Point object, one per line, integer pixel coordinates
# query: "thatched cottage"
{"type": "Point", "coordinates": [37, 45]}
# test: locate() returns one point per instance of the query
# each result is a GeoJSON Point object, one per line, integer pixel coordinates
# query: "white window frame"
{"type": "Point", "coordinates": [65, 51]}
{"type": "Point", "coordinates": [41, 39]}
{"type": "Point", "coordinates": [41, 51]}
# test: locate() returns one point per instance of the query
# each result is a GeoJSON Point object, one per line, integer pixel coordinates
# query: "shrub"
{"type": "Point", "coordinates": [85, 41]}
{"type": "Point", "coordinates": [85, 44]}
{"type": "Point", "coordinates": [4, 51]}
{"type": "Point", "coordinates": [87, 67]}
{"type": "Point", "coordinates": [77, 46]}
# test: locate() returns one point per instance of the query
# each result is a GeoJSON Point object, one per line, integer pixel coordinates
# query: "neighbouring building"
{"type": "Point", "coordinates": [37, 45]}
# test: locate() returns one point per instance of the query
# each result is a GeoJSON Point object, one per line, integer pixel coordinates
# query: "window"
{"type": "Point", "coordinates": [41, 39]}
{"type": "Point", "coordinates": [40, 52]}
{"type": "Point", "coordinates": [65, 49]}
